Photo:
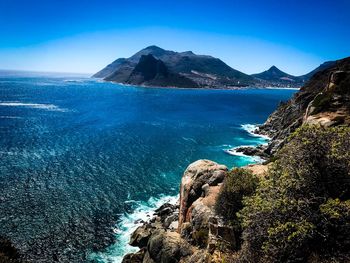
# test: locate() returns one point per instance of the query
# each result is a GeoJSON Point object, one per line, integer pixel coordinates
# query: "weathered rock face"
{"type": "Point", "coordinates": [331, 106]}
{"type": "Point", "coordinates": [168, 247]}
{"type": "Point", "coordinates": [253, 151]}
{"type": "Point", "coordinates": [135, 257]}
{"type": "Point", "coordinates": [324, 100]}
{"type": "Point", "coordinates": [191, 233]}
{"type": "Point", "coordinates": [196, 175]}
{"type": "Point", "coordinates": [140, 236]}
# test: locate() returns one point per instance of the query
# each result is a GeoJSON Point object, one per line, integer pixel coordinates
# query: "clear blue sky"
{"type": "Point", "coordinates": [84, 36]}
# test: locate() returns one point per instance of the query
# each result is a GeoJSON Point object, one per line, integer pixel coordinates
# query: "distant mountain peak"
{"type": "Point", "coordinates": [187, 53]}
{"type": "Point", "coordinates": [273, 67]}
{"type": "Point", "coordinates": [276, 76]}
{"type": "Point", "coordinates": [154, 48]}
{"type": "Point", "coordinates": [273, 70]}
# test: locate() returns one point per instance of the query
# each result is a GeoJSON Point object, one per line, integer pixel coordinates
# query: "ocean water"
{"type": "Point", "coordinates": [81, 160]}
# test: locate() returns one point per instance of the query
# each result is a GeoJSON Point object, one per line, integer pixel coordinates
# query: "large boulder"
{"type": "Point", "coordinates": [137, 257]}
{"type": "Point", "coordinates": [196, 175]}
{"type": "Point", "coordinates": [167, 247]}
{"type": "Point", "coordinates": [140, 236]}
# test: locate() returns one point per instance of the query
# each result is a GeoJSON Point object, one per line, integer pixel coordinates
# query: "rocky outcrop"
{"type": "Point", "coordinates": [258, 151]}
{"type": "Point", "coordinates": [190, 231]}
{"type": "Point", "coordinates": [167, 247]}
{"type": "Point", "coordinates": [199, 176]}
{"type": "Point", "coordinates": [331, 106]}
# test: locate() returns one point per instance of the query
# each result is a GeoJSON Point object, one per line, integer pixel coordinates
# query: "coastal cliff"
{"type": "Point", "coordinates": [324, 100]}
{"type": "Point", "coordinates": [294, 208]}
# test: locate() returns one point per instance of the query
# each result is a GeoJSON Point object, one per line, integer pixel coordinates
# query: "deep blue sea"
{"type": "Point", "coordinates": [81, 159]}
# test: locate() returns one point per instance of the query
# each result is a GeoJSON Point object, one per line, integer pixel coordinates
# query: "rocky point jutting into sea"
{"type": "Point", "coordinates": [194, 230]}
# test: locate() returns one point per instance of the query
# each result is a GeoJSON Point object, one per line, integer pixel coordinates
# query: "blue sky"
{"type": "Point", "coordinates": [84, 36]}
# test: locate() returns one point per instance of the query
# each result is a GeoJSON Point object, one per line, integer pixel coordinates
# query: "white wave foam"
{"type": "Point", "coordinates": [10, 117]}
{"type": "Point", "coordinates": [251, 129]}
{"type": "Point", "coordinates": [127, 225]}
{"type": "Point", "coordinates": [234, 152]}
{"type": "Point", "coordinates": [189, 139]}
{"type": "Point", "coordinates": [48, 107]}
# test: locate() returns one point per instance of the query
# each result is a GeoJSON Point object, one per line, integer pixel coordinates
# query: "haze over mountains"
{"type": "Point", "coordinates": [154, 66]}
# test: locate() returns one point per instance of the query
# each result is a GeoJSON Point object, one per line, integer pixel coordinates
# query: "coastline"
{"type": "Point", "coordinates": [145, 211]}
{"type": "Point", "coordinates": [251, 129]}
{"type": "Point", "coordinates": [127, 224]}
{"type": "Point", "coordinates": [282, 88]}
{"type": "Point", "coordinates": [200, 88]}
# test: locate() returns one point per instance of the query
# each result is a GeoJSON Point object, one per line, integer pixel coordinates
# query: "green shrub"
{"type": "Point", "coordinates": [302, 207]}
{"type": "Point", "coordinates": [237, 184]}
{"type": "Point", "coordinates": [321, 101]}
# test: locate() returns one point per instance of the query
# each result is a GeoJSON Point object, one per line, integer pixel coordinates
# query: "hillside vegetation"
{"type": "Point", "coordinates": [301, 210]}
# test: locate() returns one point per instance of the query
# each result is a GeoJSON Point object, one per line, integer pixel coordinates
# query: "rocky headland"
{"type": "Point", "coordinates": [243, 227]}
{"type": "Point", "coordinates": [324, 100]}
{"type": "Point", "coordinates": [190, 230]}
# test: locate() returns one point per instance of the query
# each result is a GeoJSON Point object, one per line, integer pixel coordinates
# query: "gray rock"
{"type": "Point", "coordinates": [168, 247]}
{"type": "Point", "coordinates": [196, 175]}
{"type": "Point", "coordinates": [205, 189]}
{"type": "Point", "coordinates": [167, 222]}
{"type": "Point", "coordinates": [174, 226]}
{"type": "Point", "coordinates": [137, 257]}
{"type": "Point", "coordinates": [218, 177]}
{"type": "Point", "coordinates": [147, 258]}
{"type": "Point", "coordinates": [140, 236]}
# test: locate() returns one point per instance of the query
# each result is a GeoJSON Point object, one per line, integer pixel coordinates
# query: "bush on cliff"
{"type": "Point", "coordinates": [237, 184]}
{"type": "Point", "coordinates": [301, 210]}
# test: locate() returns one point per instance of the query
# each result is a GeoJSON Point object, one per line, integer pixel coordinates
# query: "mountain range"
{"type": "Point", "coordinates": [156, 67]}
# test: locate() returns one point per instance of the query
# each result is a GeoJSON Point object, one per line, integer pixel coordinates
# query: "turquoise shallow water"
{"type": "Point", "coordinates": [78, 156]}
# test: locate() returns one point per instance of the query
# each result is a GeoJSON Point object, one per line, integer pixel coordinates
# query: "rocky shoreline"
{"type": "Point", "coordinates": [191, 230]}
